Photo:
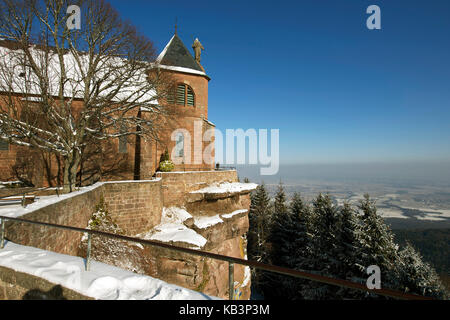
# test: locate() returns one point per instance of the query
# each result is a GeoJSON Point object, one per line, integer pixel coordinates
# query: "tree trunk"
{"type": "Point", "coordinates": [70, 172]}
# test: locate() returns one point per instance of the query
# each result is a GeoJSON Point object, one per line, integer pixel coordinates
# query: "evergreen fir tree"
{"type": "Point", "coordinates": [290, 245]}
{"type": "Point", "coordinates": [349, 251]}
{"type": "Point", "coordinates": [324, 248]}
{"type": "Point", "coordinates": [257, 236]}
{"type": "Point", "coordinates": [378, 243]}
{"type": "Point", "coordinates": [417, 276]}
{"type": "Point", "coordinates": [279, 204]}
{"type": "Point", "coordinates": [277, 238]}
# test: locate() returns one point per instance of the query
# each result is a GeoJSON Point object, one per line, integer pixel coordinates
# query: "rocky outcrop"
{"type": "Point", "coordinates": [211, 217]}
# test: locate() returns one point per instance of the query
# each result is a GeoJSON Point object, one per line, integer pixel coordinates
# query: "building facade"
{"type": "Point", "coordinates": [185, 133]}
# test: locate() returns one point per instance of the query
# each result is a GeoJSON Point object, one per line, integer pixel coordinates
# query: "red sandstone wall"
{"type": "Point", "coordinates": [175, 185]}
{"type": "Point", "coordinates": [135, 206]}
{"type": "Point", "coordinates": [74, 211]}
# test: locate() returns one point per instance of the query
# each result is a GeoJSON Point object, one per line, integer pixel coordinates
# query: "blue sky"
{"type": "Point", "coordinates": [337, 91]}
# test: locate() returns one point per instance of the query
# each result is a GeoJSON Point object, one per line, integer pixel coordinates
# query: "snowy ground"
{"type": "Point", "coordinates": [227, 187]}
{"type": "Point", "coordinates": [101, 282]}
{"type": "Point", "coordinates": [15, 210]}
{"type": "Point", "coordinates": [173, 229]}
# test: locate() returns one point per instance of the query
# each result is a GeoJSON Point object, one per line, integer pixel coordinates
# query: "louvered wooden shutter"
{"type": "Point", "coordinates": [190, 97]}
{"type": "Point", "coordinates": [4, 145]}
{"type": "Point", "coordinates": [181, 98]}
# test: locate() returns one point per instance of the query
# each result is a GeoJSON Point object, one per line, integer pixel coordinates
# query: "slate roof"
{"type": "Point", "coordinates": [176, 54]}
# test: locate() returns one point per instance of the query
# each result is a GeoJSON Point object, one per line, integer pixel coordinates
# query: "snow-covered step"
{"type": "Point", "coordinates": [102, 281]}
{"type": "Point", "coordinates": [179, 227]}
{"type": "Point", "coordinates": [221, 190]}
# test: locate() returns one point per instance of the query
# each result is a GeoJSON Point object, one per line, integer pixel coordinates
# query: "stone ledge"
{"type": "Point", "coordinates": [16, 285]}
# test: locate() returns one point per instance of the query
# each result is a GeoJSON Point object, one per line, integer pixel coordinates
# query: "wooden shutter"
{"type": "Point", "coordinates": [4, 145]}
{"type": "Point", "coordinates": [181, 96]}
{"type": "Point", "coordinates": [190, 97]}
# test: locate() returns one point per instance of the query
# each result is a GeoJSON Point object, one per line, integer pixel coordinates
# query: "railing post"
{"type": "Point", "coordinates": [2, 236]}
{"type": "Point", "coordinates": [88, 253]}
{"type": "Point", "coordinates": [231, 280]}
{"type": "Point", "coordinates": [23, 200]}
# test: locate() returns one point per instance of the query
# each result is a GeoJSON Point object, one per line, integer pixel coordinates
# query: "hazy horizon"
{"type": "Point", "coordinates": [433, 173]}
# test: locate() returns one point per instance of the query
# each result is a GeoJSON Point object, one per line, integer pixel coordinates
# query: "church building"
{"type": "Point", "coordinates": [185, 133]}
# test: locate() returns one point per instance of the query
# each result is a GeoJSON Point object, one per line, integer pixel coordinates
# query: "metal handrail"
{"type": "Point", "coordinates": [230, 260]}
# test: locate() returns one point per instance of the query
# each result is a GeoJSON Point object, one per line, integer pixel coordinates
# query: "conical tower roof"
{"type": "Point", "coordinates": [175, 54]}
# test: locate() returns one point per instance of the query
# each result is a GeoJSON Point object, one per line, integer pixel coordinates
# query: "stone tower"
{"type": "Point", "coordinates": [188, 107]}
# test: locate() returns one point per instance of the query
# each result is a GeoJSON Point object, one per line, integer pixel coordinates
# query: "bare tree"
{"type": "Point", "coordinates": [61, 88]}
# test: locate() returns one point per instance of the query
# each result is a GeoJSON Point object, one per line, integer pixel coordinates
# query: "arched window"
{"type": "Point", "coordinates": [183, 96]}
{"type": "Point", "coordinates": [123, 141]}
{"type": "Point", "coordinates": [180, 145]}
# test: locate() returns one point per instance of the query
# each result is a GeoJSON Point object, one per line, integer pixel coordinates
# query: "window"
{"type": "Point", "coordinates": [179, 145]}
{"type": "Point", "coordinates": [123, 140]}
{"type": "Point", "coordinates": [4, 145]}
{"type": "Point", "coordinates": [184, 96]}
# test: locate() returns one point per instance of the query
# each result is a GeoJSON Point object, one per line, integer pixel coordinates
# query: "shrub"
{"type": "Point", "coordinates": [166, 166]}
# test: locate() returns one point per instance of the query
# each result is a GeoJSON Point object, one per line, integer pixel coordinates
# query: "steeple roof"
{"type": "Point", "coordinates": [175, 54]}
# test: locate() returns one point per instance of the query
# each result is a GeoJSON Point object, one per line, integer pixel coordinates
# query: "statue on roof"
{"type": "Point", "coordinates": [197, 46]}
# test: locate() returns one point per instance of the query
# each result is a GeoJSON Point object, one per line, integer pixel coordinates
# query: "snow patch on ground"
{"type": "Point", "coordinates": [205, 222]}
{"type": "Point", "coordinates": [171, 232]}
{"type": "Point", "coordinates": [43, 201]}
{"type": "Point", "coordinates": [227, 187]}
{"type": "Point", "coordinates": [172, 229]}
{"type": "Point", "coordinates": [101, 282]}
{"type": "Point", "coordinates": [231, 215]}
{"type": "Point", "coordinates": [247, 276]}
{"type": "Point", "coordinates": [174, 215]}
{"type": "Point", "coordinates": [391, 213]}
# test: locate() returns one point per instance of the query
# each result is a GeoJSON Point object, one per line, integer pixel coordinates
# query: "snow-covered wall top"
{"type": "Point", "coordinates": [102, 281]}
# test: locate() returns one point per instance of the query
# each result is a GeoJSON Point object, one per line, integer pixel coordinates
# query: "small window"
{"type": "Point", "coordinates": [182, 96]}
{"type": "Point", "coordinates": [123, 143]}
{"type": "Point", "coordinates": [4, 145]}
{"type": "Point", "coordinates": [180, 145]}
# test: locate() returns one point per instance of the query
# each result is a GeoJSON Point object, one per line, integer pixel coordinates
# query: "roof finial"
{"type": "Point", "coordinates": [176, 26]}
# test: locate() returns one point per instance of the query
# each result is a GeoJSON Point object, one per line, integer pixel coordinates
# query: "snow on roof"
{"type": "Point", "coordinates": [179, 69]}
{"type": "Point", "coordinates": [227, 187]}
{"type": "Point", "coordinates": [12, 76]}
{"type": "Point", "coordinates": [176, 57]}
{"type": "Point", "coordinates": [209, 122]}
{"type": "Point", "coordinates": [163, 53]}
{"type": "Point", "coordinates": [102, 281]}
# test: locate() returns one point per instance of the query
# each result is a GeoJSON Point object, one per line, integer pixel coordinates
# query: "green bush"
{"type": "Point", "coordinates": [166, 166]}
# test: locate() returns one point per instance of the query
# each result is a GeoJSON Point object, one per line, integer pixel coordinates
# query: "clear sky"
{"type": "Point", "coordinates": [337, 91]}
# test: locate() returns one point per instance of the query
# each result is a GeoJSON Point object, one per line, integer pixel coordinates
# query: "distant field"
{"type": "Point", "coordinates": [415, 224]}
